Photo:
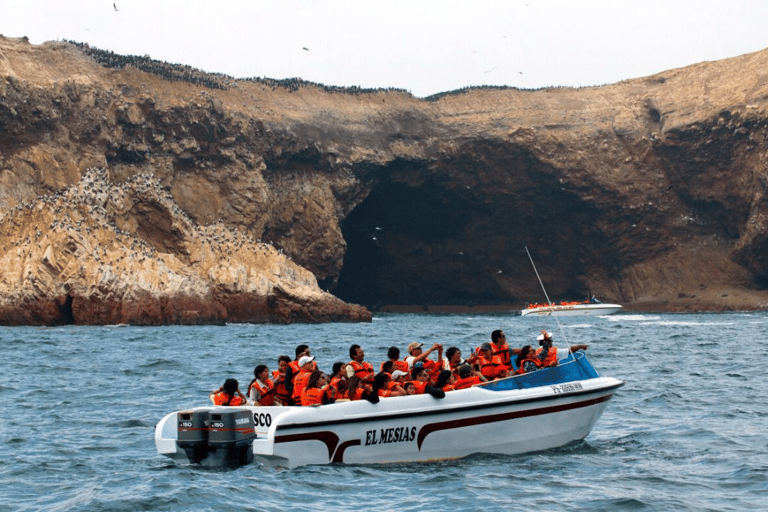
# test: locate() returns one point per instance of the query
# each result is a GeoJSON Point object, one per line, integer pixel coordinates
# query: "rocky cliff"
{"type": "Point", "coordinates": [649, 192]}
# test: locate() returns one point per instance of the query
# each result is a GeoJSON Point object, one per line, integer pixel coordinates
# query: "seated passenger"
{"type": "Point", "coordinates": [382, 388]}
{"type": "Point", "coordinates": [306, 367]}
{"type": "Point", "coordinates": [355, 389]}
{"type": "Point", "coordinates": [409, 388]}
{"type": "Point", "coordinates": [283, 381]}
{"type": "Point", "coordinates": [317, 390]}
{"type": "Point", "coordinates": [467, 377]}
{"type": "Point", "coordinates": [416, 354]}
{"type": "Point", "coordinates": [453, 359]}
{"type": "Point", "coordinates": [420, 380]}
{"type": "Point", "coordinates": [528, 361]}
{"type": "Point", "coordinates": [363, 369]}
{"type": "Point", "coordinates": [339, 378]}
{"type": "Point", "coordinates": [489, 365]}
{"type": "Point", "coordinates": [228, 394]}
{"type": "Point", "coordinates": [550, 355]}
{"type": "Point", "coordinates": [261, 390]}
{"type": "Point", "coordinates": [445, 380]}
{"type": "Point", "coordinates": [393, 355]}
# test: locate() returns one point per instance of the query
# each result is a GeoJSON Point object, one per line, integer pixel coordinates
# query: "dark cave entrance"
{"type": "Point", "coordinates": [398, 247]}
{"type": "Point", "coordinates": [65, 310]}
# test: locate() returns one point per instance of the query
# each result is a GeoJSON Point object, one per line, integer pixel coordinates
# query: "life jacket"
{"type": "Point", "coordinates": [503, 352]}
{"type": "Point", "coordinates": [448, 387]}
{"type": "Point", "coordinates": [339, 384]}
{"type": "Point", "coordinates": [491, 368]}
{"type": "Point", "coordinates": [420, 386]}
{"type": "Point", "coordinates": [281, 392]}
{"type": "Point", "coordinates": [467, 382]}
{"type": "Point", "coordinates": [299, 383]}
{"type": "Point", "coordinates": [550, 358]}
{"type": "Point", "coordinates": [535, 360]}
{"type": "Point", "coordinates": [358, 394]}
{"type": "Point", "coordinates": [266, 393]}
{"type": "Point", "coordinates": [313, 396]}
{"type": "Point", "coordinates": [222, 398]}
{"type": "Point", "coordinates": [363, 371]}
{"type": "Point", "coordinates": [399, 365]}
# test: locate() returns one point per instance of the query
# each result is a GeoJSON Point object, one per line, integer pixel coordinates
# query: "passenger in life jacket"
{"type": "Point", "coordinates": [355, 389]}
{"type": "Point", "coordinates": [382, 388]}
{"type": "Point", "coordinates": [393, 354]}
{"type": "Point", "coordinates": [261, 390]}
{"type": "Point", "coordinates": [416, 354]}
{"type": "Point", "coordinates": [420, 379]}
{"type": "Point", "coordinates": [445, 380]}
{"type": "Point", "coordinates": [468, 377]}
{"type": "Point", "coordinates": [362, 369]}
{"type": "Point", "coordinates": [306, 367]}
{"type": "Point", "coordinates": [228, 394]}
{"type": "Point", "coordinates": [549, 354]}
{"type": "Point", "coordinates": [528, 361]}
{"type": "Point", "coordinates": [318, 391]}
{"type": "Point", "coordinates": [339, 378]}
{"type": "Point", "coordinates": [489, 365]}
{"type": "Point", "coordinates": [501, 348]}
{"type": "Point", "coordinates": [453, 359]}
{"type": "Point", "coordinates": [283, 381]}
{"type": "Point", "coordinates": [301, 351]}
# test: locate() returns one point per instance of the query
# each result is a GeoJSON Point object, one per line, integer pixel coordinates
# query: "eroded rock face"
{"type": "Point", "coordinates": [107, 253]}
{"type": "Point", "coordinates": [649, 192]}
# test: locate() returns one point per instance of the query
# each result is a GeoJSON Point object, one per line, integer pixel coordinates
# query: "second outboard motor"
{"type": "Point", "coordinates": [230, 437]}
{"type": "Point", "coordinates": [193, 434]}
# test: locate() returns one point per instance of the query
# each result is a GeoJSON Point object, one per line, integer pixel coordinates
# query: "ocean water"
{"type": "Point", "coordinates": [688, 431]}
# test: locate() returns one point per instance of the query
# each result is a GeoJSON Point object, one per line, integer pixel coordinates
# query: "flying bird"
{"type": "Point", "coordinates": [305, 48]}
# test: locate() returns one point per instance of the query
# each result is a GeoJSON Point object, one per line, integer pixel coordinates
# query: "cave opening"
{"type": "Point", "coordinates": [65, 311]}
{"type": "Point", "coordinates": [399, 244]}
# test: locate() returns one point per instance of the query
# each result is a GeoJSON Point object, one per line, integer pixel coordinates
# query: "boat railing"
{"type": "Point", "coordinates": [575, 367]}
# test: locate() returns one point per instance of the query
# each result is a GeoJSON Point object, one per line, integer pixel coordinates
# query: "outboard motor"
{"type": "Point", "coordinates": [193, 434]}
{"type": "Point", "coordinates": [230, 437]}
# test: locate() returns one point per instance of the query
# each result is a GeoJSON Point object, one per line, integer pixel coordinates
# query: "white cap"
{"type": "Point", "coordinates": [306, 359]}
{"type": "Point", "coordinates": [542, 337]}
{"type": "Point", "coordinates": [398, 373]}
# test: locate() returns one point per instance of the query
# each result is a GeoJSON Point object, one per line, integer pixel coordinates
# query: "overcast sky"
{"type": "Point", "coordinates": [424, 46]}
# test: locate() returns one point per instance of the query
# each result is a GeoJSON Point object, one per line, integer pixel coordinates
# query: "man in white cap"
{"type": "Point", "coordinates": [547, 353]}
{"type": "Point", "coordinates": [306, 367]}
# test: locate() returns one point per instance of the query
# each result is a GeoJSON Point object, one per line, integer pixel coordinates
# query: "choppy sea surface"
{"type": "Point", "coordinates": [688, 431]}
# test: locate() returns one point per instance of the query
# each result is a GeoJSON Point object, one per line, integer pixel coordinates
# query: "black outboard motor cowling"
{"type": "Point", "coordinates": [193, 434]}
{"type": "Point", "coordinates": [230, 437]}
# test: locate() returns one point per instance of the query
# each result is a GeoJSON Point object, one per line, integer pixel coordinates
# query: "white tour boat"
{"type": "Point", "coordinates": [536, 411]}
{"type": "Point", "coordinates": [571, 309]}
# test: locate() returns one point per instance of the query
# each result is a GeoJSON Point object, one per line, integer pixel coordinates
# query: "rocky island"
{"type": "Point", "coordinates": [137, 191]}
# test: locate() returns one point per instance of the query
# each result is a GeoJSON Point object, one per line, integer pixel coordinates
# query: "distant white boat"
{"type": "Point", "coordinates": [571, 309]}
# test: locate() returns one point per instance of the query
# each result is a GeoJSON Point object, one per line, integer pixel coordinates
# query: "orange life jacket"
{"type": "Point", "coordinates": [534, 360]}
{"type": "Point", "coordinates": [420, 386]}
{"type": "Point", "coordinates": [491, 368]}
{"type": "Point", "coordinates": [551, 356]}
{"type": "Point", "coordinates": [312, 396]}
{"type": "Point", "coordinates": [281, 392]}
{"type": "Point", "coordinates": [222, 398]}
{"type": "Point", "coordinates": [266, 393]}
{"type": "Point", "coordinates": [467, 382]}
{"type": "Point", "coordinates": [299, 383]}
{"type": "Point", "coordinates": [363, 371]}
{"type": "Point", "coordinates": [358, 394]}
{"type": "Point", "coordinates": [399, 365]}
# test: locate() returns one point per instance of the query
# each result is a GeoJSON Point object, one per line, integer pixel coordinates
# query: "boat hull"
{"type": "Point", "coordinates": [573, 310]}
{"type": "Point", "coordinates": [499, 419]}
